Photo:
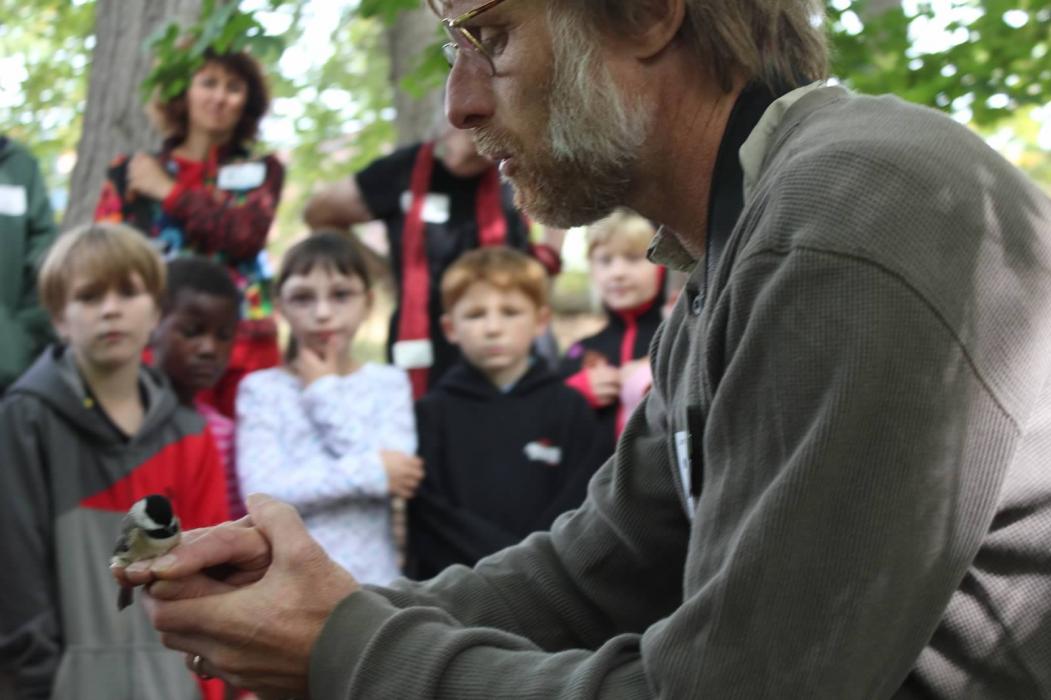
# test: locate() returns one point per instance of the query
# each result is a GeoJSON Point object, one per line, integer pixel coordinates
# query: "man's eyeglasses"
{"type": "Point", "coordinates": [462, 37]}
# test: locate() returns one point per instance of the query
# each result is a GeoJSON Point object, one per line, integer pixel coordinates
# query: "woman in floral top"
{"type": "Point", "coordinates": [204, 194]}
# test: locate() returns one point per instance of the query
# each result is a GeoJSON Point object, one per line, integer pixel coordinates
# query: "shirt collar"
{"type": "Point", "coordinates": [665, 248]}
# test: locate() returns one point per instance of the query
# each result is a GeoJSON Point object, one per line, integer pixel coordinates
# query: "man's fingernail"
{"type": "Point", "coordinates": [163, 563]}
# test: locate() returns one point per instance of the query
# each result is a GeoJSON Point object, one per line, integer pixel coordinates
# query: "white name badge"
{"type": "Point", "coordinates": [682, 452]}
{"type": "Point", "coordinates": [413, 354]}
{"type": "Point", "coordinates": [540, 452]}
{"type": "Point", "coordinates": [13, 200]}
{"type": "Point", "coordinates": [435, 207]}
{"type": "Point", "coordinates": [241, 176]}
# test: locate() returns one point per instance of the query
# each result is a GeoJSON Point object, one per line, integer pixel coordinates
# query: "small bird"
{"type": "Point", "coordinates": [150, 529]}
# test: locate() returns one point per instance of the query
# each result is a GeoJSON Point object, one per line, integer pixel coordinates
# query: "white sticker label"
{"type": "Point", "coordinates": [682, 453]}
{"type": "Point", "coordinates": [241, 176]}
{"type": "Point", "coordinates": [13, 200]}
{"type": "Point", "coordinates": [413, 354]}
{"type": "Point", "coordinates": [539, 451]}
{"type": "Point", "coordinates": [435, 207]}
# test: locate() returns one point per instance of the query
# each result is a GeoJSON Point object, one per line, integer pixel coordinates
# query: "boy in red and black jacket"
{"type": "Point", "coordinates": [611, 368]}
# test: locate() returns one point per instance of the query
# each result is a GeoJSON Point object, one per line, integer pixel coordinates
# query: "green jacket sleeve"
{"type": "Point", "coordinates": [24, 326]}
{"type": "Point", "coordinates": [30, 640]}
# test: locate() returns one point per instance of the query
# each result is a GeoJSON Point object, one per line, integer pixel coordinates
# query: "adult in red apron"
{"type": "Point", "coordinates": [438, 200]}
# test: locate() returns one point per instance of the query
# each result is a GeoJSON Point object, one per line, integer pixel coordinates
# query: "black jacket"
{"type": "Point", "coordinates": [624, 338]}
{"type": "Point", "coordinates": [499, 465]}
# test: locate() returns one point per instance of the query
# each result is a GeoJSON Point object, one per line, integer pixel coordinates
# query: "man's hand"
{"type": "Point", "coordinates": [255, 625]}
{"type": "Point", "coordinates": [404, 472]}
{"type": "Point", "coordinates": [146, 176]}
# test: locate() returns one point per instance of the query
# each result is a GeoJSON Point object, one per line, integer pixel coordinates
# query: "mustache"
{"type": "Point", "coordinates": [492, 144]}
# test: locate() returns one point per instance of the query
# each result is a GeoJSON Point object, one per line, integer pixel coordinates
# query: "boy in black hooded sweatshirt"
{"type": "Point", "coordinates": [506, 446]}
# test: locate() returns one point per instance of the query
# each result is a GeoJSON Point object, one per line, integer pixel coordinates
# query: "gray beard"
{"type": "Point", "coordinates": [594, 139]}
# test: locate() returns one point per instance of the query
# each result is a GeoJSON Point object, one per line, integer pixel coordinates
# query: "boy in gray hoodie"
{"type": "Point", "coordinates": [85, 433]}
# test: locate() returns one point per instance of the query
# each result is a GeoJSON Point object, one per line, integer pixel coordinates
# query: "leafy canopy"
{"type": "Point", "coordinates": [179, 54]}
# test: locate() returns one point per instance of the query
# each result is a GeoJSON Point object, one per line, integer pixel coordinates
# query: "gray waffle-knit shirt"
{"type": "Point", "coordinates": [868, 387]}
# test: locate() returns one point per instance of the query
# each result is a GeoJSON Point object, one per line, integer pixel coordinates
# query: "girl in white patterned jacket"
{"type": "Point", "coordinates": [332, 436]}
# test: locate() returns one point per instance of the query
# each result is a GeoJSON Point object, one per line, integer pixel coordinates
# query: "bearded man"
{"type": "Point", "coordinates": [838, 486]}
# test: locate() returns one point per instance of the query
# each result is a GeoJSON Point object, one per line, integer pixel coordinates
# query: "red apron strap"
{"type": "Point", "coordinates": [489, 210]}
{"type": "Point", "coordinates": [414, 321]}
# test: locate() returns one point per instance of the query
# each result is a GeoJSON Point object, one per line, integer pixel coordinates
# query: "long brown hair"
{"type": "Point", "coordinates": [173, 116]}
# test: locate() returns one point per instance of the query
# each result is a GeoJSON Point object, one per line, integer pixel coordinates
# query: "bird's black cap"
{"type": "Point", "coordinates": [159, 509]}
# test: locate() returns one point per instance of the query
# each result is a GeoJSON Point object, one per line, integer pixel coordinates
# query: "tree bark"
{"type": "Point", "coordinates": [415, 119]}
{"type": "Point", "coordinates": [115, 119]}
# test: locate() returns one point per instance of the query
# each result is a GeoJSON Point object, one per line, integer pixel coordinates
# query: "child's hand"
{"type": "Point", "coordinates": [404, 472]}
{"type": "Point", "coordinates": [605, 383]}
{"type": "Point", "coordinates": [311, 365]}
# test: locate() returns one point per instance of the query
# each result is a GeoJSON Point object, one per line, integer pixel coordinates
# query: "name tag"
{"type": "Point", "coordinates": [541, 451]}
{"type": "Point", "coordinates": [435, 207]}
{"type": "Point", "coordinates": [13, 200]}
{"type": "Point", "coordinates": [241, 176]}
{"type": "Point", "coordinates": [413, 354]}
{"type": "Point", "coordinates": [682, 453]}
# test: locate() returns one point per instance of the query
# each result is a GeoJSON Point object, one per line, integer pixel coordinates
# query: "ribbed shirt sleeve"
{"type": "Point", "coordinates": [796, 582]}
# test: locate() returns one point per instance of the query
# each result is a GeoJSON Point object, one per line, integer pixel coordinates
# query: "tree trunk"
{"type": "Point", "coordinates": [415, 119]}
{"type": "Point", "coordinates": [115, 120]}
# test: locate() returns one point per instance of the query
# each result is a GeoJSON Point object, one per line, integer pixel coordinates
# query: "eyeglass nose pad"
{"type": "Point", "coordinates": [450, 51]}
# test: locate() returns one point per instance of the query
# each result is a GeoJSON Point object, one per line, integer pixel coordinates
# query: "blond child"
{"type": "Point", "coordinates": [611, 368]}
{"type": "Point", "coordinates": [86, 432]}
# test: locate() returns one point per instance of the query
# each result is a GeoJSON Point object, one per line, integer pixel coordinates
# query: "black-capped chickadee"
{"type": "Point", "coordinates": [150, 529]}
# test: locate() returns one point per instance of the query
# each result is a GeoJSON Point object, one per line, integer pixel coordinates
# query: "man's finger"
{"type": "Point", "coordinates": [229, 544]}
{"type": "Point", "coordinates": [196, 617]}
{"type": "Point", "coordinates": [280, 524]}
{"type": "Point", "coordinates": [193, 586]}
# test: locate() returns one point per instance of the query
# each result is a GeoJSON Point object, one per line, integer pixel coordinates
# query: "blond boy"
{"type": "Point", "coordinates": [86, 432]}
{"type": "Point", "coordinates": [506, 446]}
{"type": "Point", "coordinates": [611, 368]}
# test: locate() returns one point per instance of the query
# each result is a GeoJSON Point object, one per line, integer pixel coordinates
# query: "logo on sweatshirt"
{"type": "Point", "coordinates": [543, 451]}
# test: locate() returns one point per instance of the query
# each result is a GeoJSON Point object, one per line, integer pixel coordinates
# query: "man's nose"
{"type": "Point", "coordinates": [468, 94]}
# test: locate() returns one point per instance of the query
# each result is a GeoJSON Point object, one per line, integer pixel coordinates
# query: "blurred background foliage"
{"type": "Point", "coordinates": [985, 61]}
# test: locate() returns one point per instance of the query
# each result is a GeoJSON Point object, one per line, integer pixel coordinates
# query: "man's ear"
{"type": "Point", "coordinates": [449, 329]}
{"type": "Point", "coordinates": [659, 22]}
